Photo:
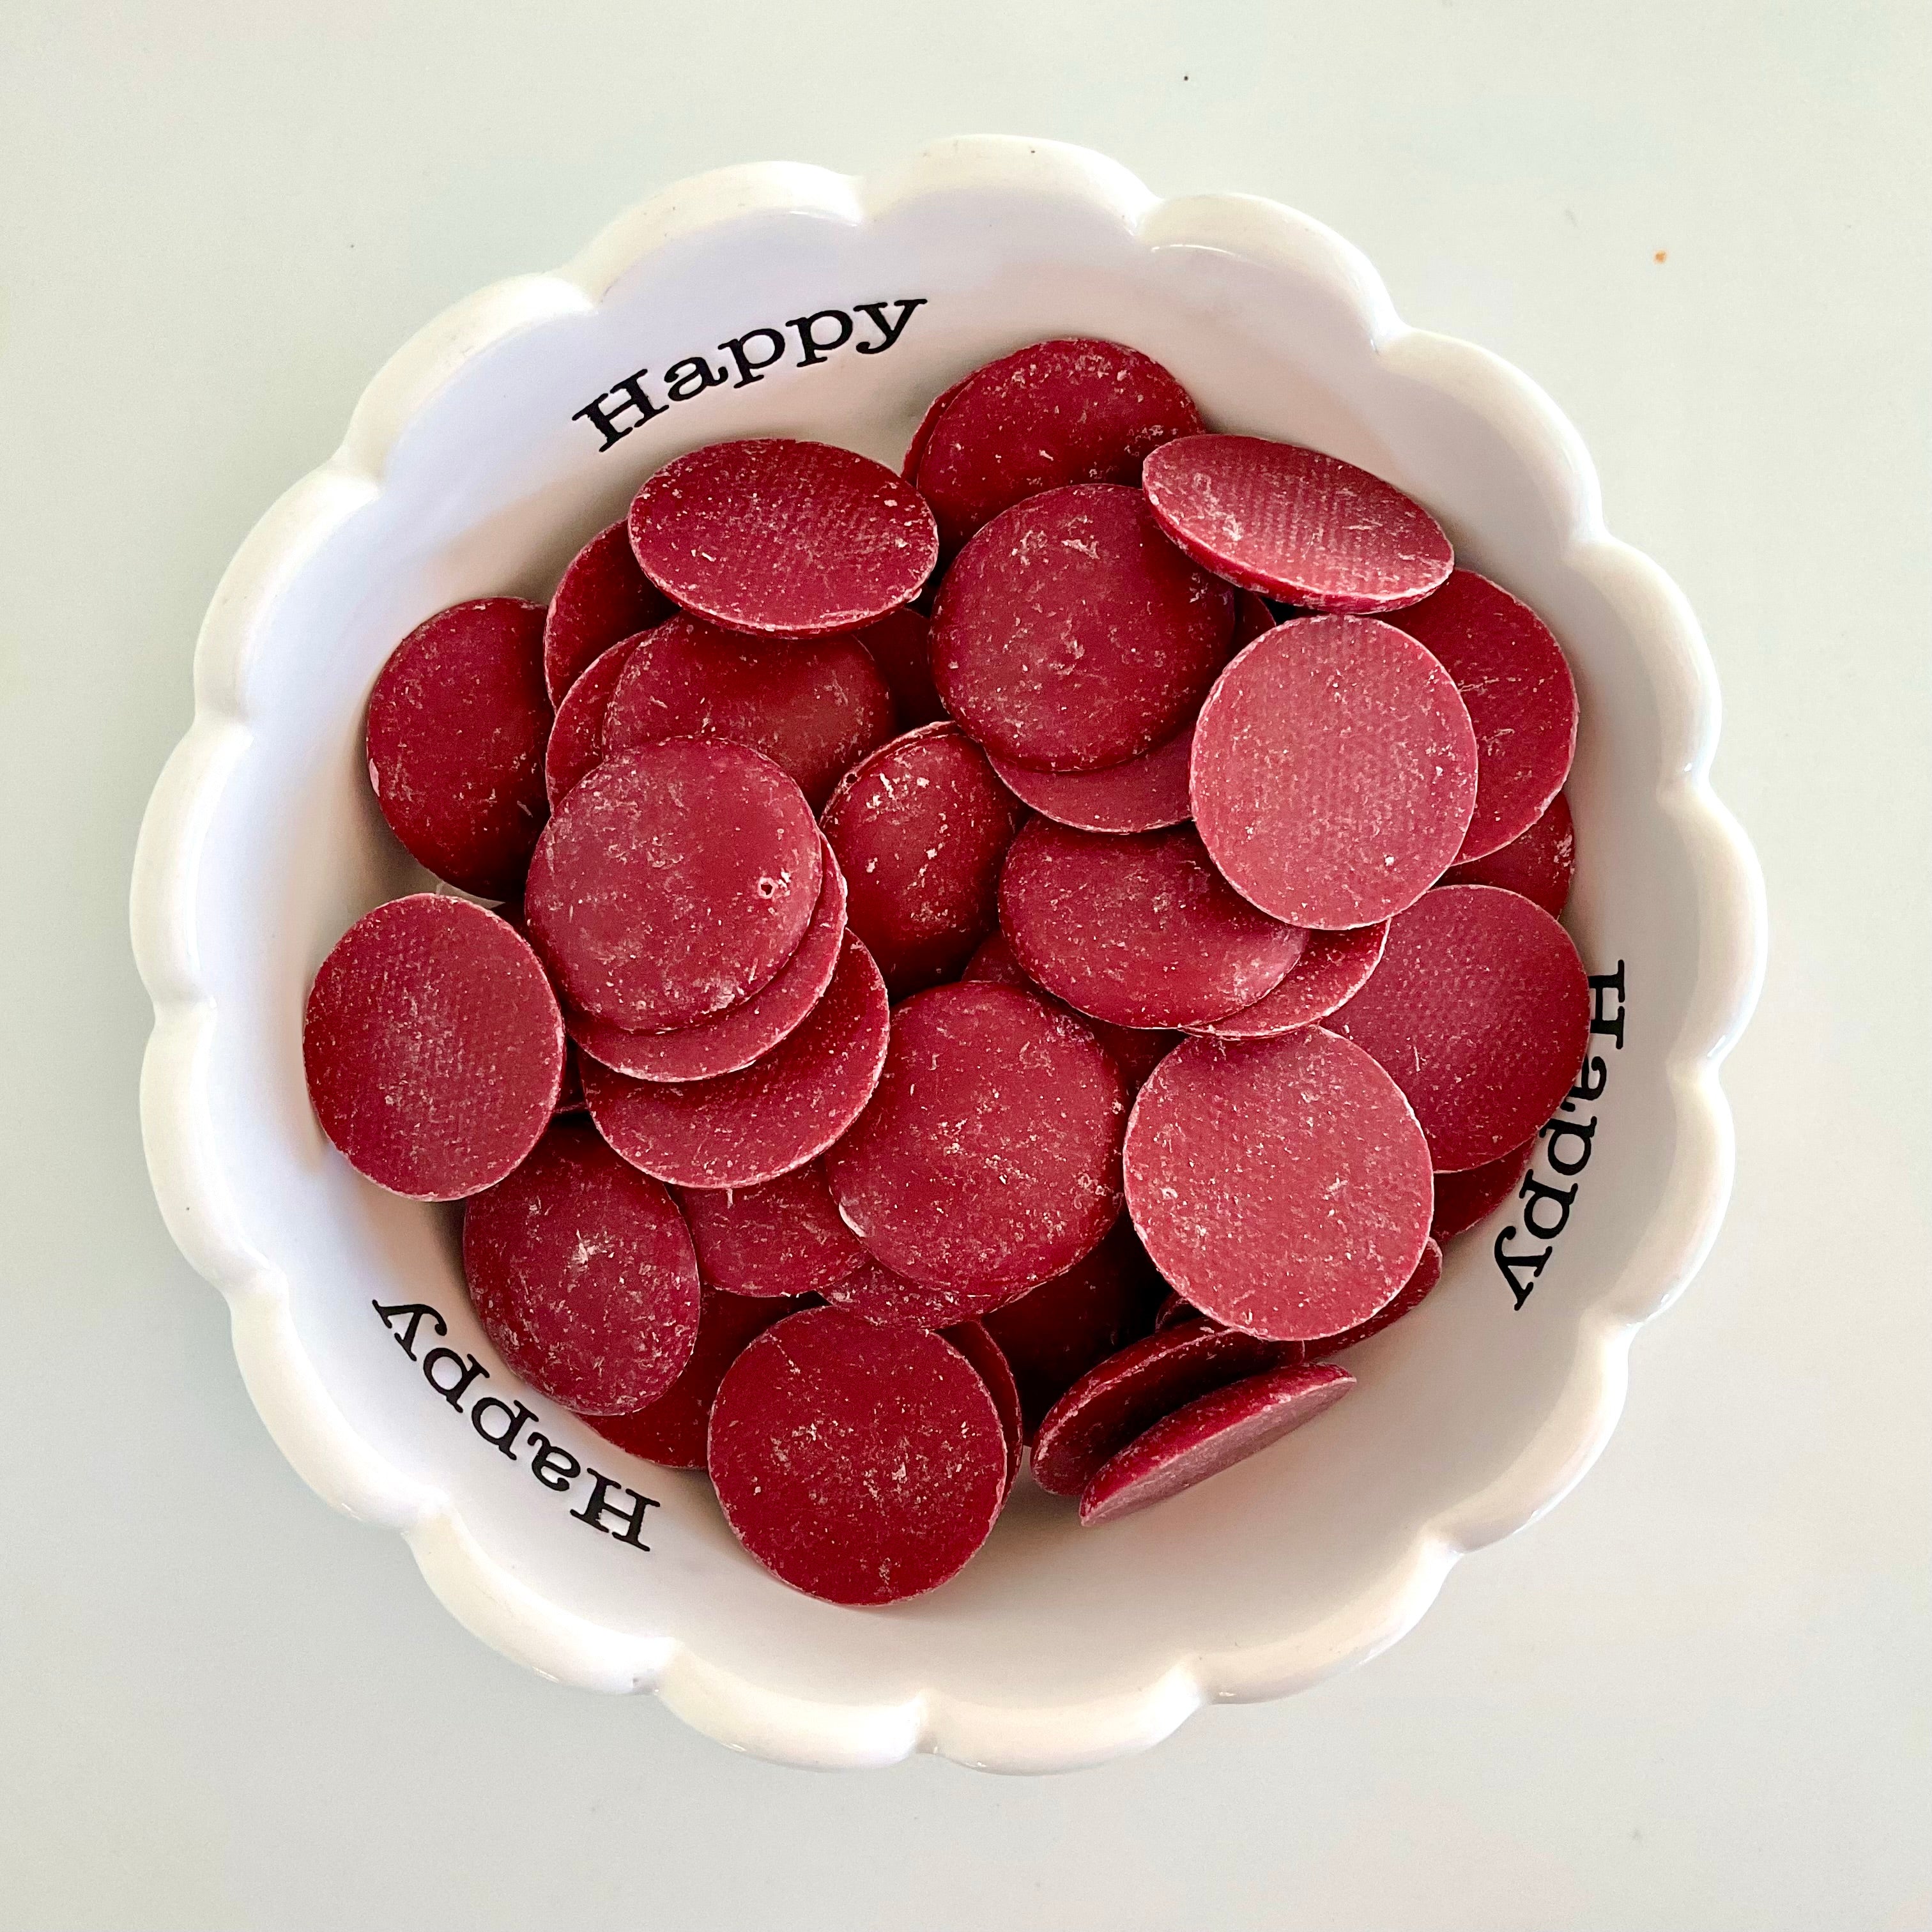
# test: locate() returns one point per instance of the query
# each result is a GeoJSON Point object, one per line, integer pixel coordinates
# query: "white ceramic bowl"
{"type": "Point", "coordinates": [472, 467]}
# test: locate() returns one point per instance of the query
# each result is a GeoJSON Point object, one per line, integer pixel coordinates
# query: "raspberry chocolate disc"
{"type": "Point", "coordinates": [782, 1237]}
{"type": "Point", "coordinates": [899, 644]}
{"type": "Point", "coordinates": [1463, 1199]}
{"type": "Point", "coordinates": [1142, 795]}
{"type": "Point", "coordinates": [603, 599]}
{"type": "Point", "coordinates": [576, 747]}
{"type": "Point", "coordinates": [1333, 967]}
{"type": "Point", "coordinates": [1540, 863]}
{"type": "Point", "coordinates": [874, 1291]}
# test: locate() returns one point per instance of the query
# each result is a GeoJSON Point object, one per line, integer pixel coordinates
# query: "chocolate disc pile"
{"type": "Point", "coordinates": [1032, 953]}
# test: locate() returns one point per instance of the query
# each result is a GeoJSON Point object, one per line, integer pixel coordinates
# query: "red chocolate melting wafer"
{"type": "Point", "coordinates": [433, 1047]}
{"type": "Point", "coordinates": [920, 828]}
{"type": "Point", "coordinates": [782, 1237]}
{"type": "Point", "coordinates": [1283, 1186]}
{"type": "Point", "coordinates": [1142, 795]}
{"type": "Point", "coordinates": [1073, 410]}
{"type": "Point", "coordinates": [581, 1271]}
{"type": "Point", "coordinates": [458, 720]}
{"type": "Point", "coordinates": [673, 882]}
{"type": "Point", "coordinates": [1333, 968]}
{"type": "Point", "coordinates": [811, 705]}
{"type": "Point", "coordinates": [899, 644]}
{"type": "Point", "coordinates": [783, 538]}
{"type": "Point", "coordinates": [1054, 1333]}
{"type": "Point", "coordinates": [1334, 772]}
{"type": "Point", "coordinates": [576, 747]}
{"type": "Point", "coordinates": [1141, 930]}
{"type": "Point", "coordinates": [1294, 523]}
{"type": "Point", "coordinates": [1209, 1435]}
{"type": "Point", "coordinates": [742, 1034]}
{"type": "Point", "coordinates": [1540, 864]}
{"type": "Point", "coordinates": [1119, 1399]}
{"type": "Point", "coordinates": [989, 1156]}
{"type": "Point", "coordinates": [671, 1431]}
{"type": "Point", "coordinates": [602, 599]}
{"type": "Point", "coordinates": [1480, 1012]}
{"type": "Point", "coordinates": [1070, 635]}
{"type": "Point", "coordinates": [1463, 1199]}
{"type": "Point", "coordinates": [973, 1341]}
{"type": "Point", "coordinates": [921, 434]}
{"type": "Point", "coordinates": [1521, 700]}
{"type": "Point", "coordinates": [781, 1112]}
{"type": "Point", "coordinates": [874, 1291]}
{"type": "Point", "coordinates": [859, 1463]}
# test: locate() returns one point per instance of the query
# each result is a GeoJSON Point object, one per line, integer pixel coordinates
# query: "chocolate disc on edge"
{"type": "Point", "coordinates": [1173, 1309]}
{"type": "Point", "coordinates": [433, 1047]}
{"type": "Point", "coordinates": [1540, 864]}
{"type": "Point", "coordinates": [1292, 523]}
{"type": "Point", "coordinates": [673, 882]}
{"type": "Point", "coordinates": [1136, 1050]}
{"type": "Point", "coordinates": [1070, 634]}
{"type": "Point", "coordinates": [1283, 1186]}
{"type": "Point", "coordinates": [1209, 1435]}
{"type": "Point", "coordinates": [576, 747]}
{"type": "Point", "coordinates": [581, 1271]}
{"type": "Point", "coordinates": [899, 644]}
{"type": "Point", "coordinates": [973, 1341]}
{"type": "Point", "coordinates": [1054, 1333]}
{"type": "Point", "coordinates": [921, 434]}
{"type": "Point", "coordinates": [782, 1237]}
{"type": "Point", "coordinates": [671, 1431]}
{"type": "Point", "coordinates": [781, 1112]}
{"type": "Point", "coordinates": [1073, 410]}
{"type": "Point", "coordinates": [874, 1291]}
{"type": "Point", "coordinates": [1480, 1011]}
{"type": "Point", "coordinates": [1333, 967]}
{"type": "Point", "coordinates": [1411, 1294]}
{"type": "Point", "coordinates": [784, 538]}
{"type": "Point", "coordinates": [1140, 930]}
{"type": "Point", "coordinates": [1334, 772]}
{"type": "Point", "coordinates": [739, 1035]}
{"type": "Point", "coordinates": [1521, 700]}
{"type": "Point", "coordinates": [859, 1463]}
{"type": "Point", "coordinates": [990, 1154]}
{"type": "Point", "coordinates": [458, 721]}
{"type": "Point", "coordinates": [1463, 1199]}
{"type": "Point", "coordinates": [920, 828]}
{"type": "Point", "coordinates": [814, 705]}
{"type": "Point", "coordinates": [1122, 1397]}
{"type": "Point", "coordinates": [1142, 795]}
{"type": "Point", "coordinates": [602, 599]}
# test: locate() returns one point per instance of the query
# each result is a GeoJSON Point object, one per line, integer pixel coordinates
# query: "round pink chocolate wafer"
{"type": "Point", "coordinates": [1283, 1186]}
{"type": "Point", "coordinates": [783, 1237]}
{"type": "Point", "coordinates": [1521, 698]}
{"type": "Point", "coordinates": [671, 1431]}
{"type": "Point", "coordinates": [1070, 634]}
{"type": "Point", "coordinates": [874, 1291]}
{"type": "Point", "coordinates": [1209, 1435]}
{"type": "Point", "coordinates": [739, 1035]}
{"type": "Point", "coordinates": [859, 1463]}
{"type": "Point", "coordinates": [1141, 930]}
{"type": "Point", "coordinates": [1173, 1309]}
{"type": "Point", "coordinates": [1463, 1199]}
{"type": "Point", "coordinates": [1480, 1011]}
{"type": "Point", "coordinates": [1142, 795]}
{"type": "Point", "coordinates": [920, 828]}
{"type": "Point", "coordinates": [602, 599]}
{"type": "Point", "coordinates": [1119, 1399]}
{"type": "Point", "coordinates": [1334, 772]}
{"type": "Point", "coordinates": [1136, 1050]}
{"type": "Point", "coordinates": [581, 1271]}
{"type": "Point", "coordinates": [777, 1113]}
{"type": "Point", "coordinates": [576, 745]}
{"type": "Point", "coordinates": [1292, 523]}
{"type": "Point", "coordinates": [673, 882]}
{"type": "Point", "coordinates": [900, 645]}
{"type": "Point", "coordinates": [1054, 1333]}
{"type": "Point", "coordinates": [1540, 863]}
{"type": "Point", "coordinates": [1411, 1294]}
{"type": "Point", "coordinates": [433, 1047]}
{"type": "Point", "coordinates": [1074, 410]}
{"type": "Point", "coordinates": [458, 720]}
{"type": "Point", "coordinates": [989, 1156]}
{"type": "Point", "coordinates": [973, 1341]}
{"type": "Point", "coordinates": [812, 705]}
{"type": "Point", "coordinates": [1333, 968]}
{"type": "Point", "coordinates": [922, 434]}
{"type": "Point", "coordinates": [783, 538]}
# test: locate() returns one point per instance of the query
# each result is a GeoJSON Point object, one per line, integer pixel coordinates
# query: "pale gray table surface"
{"type": "Point", "coordinates": [1694, 1697]}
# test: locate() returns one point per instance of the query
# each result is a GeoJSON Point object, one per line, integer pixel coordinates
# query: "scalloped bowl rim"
{"type": "Point", "coordinates": [289, 1392]}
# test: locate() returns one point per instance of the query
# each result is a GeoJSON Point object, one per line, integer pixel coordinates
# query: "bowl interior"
{"type": "Point", "coordinates": [492, 482]}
